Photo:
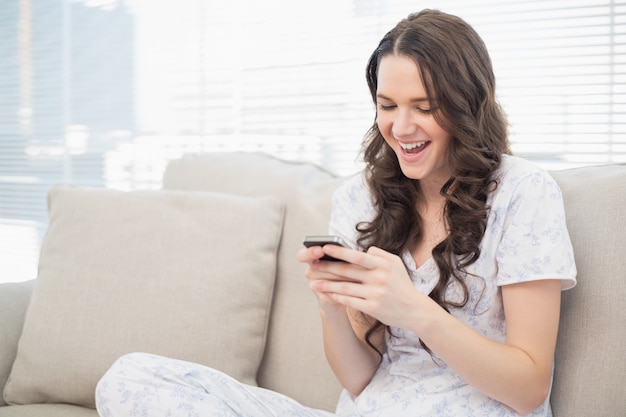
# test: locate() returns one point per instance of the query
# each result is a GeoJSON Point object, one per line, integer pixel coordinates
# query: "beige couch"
{"type": "Point", "coordinates": [207, 273]}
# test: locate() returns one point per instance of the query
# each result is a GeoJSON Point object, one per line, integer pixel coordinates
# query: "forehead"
{"type": "Point", "coordinates": [399, 75]}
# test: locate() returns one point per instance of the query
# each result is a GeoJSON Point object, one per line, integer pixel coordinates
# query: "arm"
{"type": "Point", "coordinates": [351, 359]}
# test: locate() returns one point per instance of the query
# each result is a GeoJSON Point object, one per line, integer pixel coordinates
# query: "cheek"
{"type": "Point", "coordinates": [446, 138]}
{"type": "Point", "coordinates": [384, 124]}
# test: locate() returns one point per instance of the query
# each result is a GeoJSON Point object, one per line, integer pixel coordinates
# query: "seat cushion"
{"type": "Point", "coordinates": [47, 410]}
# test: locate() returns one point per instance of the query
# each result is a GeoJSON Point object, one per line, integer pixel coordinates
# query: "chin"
{"type": "Point", "coordinates": [411, 172]}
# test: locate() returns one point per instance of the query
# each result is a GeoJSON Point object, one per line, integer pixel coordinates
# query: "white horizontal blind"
{"type": "Point", "coordinates": [562, 77]}
{"type": "Point", "coordinates": [105, 92]}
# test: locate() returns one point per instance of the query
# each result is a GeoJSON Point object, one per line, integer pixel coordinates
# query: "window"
{"type": "Point", "coordinates": [104, 92]}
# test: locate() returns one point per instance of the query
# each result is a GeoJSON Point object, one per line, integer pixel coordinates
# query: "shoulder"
{"type": "Point", "coordinates": [351, 205]}
{"type": "Point", "coordinates": [522, 178]}
{"type": "Point", "coordinates": [353, 190]}
{"type": "Point", "coordinates": [514, 169]}
{"type": "Point", "coordinates": [528, 229]}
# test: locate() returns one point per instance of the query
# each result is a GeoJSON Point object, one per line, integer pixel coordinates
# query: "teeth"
{"type": "Point", "coordinates": [409, 146]}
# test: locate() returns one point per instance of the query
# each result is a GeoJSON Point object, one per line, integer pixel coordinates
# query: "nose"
{"type": "Point", "coordinates": [403, 124]}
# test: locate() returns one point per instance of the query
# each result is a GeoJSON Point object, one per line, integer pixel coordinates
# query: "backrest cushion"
{"type": "Point", "coordinates": [294, 361]}
{"type": "Point", "coordinates": [590, 367]}
{"type": "Point", "coordinates": [155, 271]}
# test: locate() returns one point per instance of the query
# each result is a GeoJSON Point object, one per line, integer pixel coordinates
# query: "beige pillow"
{"type": "Point", "coordinates": [183, 274]}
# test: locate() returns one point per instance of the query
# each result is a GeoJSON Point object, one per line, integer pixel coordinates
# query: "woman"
{"type": "Point", "coordinates": [449, 305]}
{"type": "Point", "coordinates": [454, 306]}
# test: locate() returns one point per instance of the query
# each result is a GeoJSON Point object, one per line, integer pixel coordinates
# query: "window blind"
{"type": "Point", "coordinates": [104, 93]}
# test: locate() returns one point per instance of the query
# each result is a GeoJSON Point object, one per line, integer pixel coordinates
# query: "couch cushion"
{"type": "Point", "coordinates": [14, 299]}
{"type": "Point", "coordinates": [186, 275]}
{"type": "Point", "coordinates": [294, 363]}
{"type": "Point", "coordinates": [590, 366]}
{"type": "Point", "coordinates": [47, 410]}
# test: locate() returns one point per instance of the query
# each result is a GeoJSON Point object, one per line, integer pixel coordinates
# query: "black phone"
{"type": "Point", "coordinates": [321, 240]}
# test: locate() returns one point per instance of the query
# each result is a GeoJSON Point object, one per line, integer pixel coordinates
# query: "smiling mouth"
{"type": "Point", "coordinates": [414, 148]}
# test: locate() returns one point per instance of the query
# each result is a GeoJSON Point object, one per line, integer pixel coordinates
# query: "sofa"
{"type": "Point", "coordinates": [204, 270]}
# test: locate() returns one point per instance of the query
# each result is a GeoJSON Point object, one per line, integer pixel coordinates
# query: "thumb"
{"type": "Point", "coordinates": [381, 253]}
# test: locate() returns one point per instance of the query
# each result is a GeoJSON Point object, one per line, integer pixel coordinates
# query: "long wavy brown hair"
{"type": "Point", "coordinates": [458, 77]}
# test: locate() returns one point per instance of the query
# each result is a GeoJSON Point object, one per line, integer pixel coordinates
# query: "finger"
{"type": "Point", "coordinates": [351, 256]}
{"type": "Point", "coordinates": [345, 288]}
{"type": "Point", "coordinates": [309, 255]}
{"type": "Point", "coordinates": [333, 271]}
{"type": "Point", "coordinates": [326, 270]}
{"type": "Point", "coordinates": [341, 271]}
{"type": "Point", "coordinates": [378, 252]}
{"type": "Point", "coordinates": [353, 303]}
{"type": "Point", "coordinates": [314, 273]}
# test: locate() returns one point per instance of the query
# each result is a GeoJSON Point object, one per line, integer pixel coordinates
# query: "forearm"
{"type": "Point", "coordinates": [352, 361]}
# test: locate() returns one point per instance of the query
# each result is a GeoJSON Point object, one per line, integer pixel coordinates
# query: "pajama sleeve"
{"type": "Point", "coordinates": [535, 242]}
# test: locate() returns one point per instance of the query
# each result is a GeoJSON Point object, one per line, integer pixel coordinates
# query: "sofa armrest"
{"type": "Point", "coordinates": [14, 299]}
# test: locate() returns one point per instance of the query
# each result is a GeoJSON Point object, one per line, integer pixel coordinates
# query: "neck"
{"type": "Point", "coordinates": [431, 190]}
{"type": "Point", "coordinates": [432, 204]}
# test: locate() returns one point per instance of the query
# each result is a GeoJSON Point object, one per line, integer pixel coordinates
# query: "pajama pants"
{"type": "Point", "coordinates": [145, 385]}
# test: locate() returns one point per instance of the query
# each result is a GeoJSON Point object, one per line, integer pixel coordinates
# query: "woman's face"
{"type": "Point", "coordinates": [407, 122]}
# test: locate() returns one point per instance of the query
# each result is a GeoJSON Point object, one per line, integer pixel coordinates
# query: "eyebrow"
{"type": "Point", "coordinates": [413, 100]}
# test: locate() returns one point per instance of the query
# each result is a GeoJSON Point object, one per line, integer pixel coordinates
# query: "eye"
{"type": "Point", "coordinates": [386, 107]}
{"type": "Point", "coordinates": [424, 111]}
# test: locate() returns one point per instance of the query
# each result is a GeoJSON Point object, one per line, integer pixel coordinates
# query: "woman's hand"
{"type": "Point", "coordinates": [373, 282]}
{"type": "Point", "coordinates": [315, 274]}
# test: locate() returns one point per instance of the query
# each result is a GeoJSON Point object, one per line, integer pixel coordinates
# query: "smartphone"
{"type": "Point", "coordinates": [325, 240]}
